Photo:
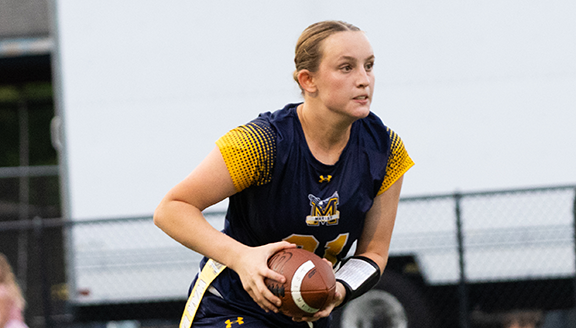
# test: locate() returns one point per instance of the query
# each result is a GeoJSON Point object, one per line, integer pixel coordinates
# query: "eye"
{"type": "Point", "coordinates": [346, 68]}
{"type": "Point", "coordinates": [369, 66]}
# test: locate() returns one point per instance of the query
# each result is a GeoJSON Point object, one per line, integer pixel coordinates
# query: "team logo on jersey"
{"type": "Point", "coordinates": [325, 178]}
{"type": "Point", "coordinates": [324, 211]}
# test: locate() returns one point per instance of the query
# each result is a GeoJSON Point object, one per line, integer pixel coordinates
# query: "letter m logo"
{"type": "Point", "coordinates": [323, 211]}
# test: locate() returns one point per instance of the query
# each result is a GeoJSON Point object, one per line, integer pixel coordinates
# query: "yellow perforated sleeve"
{"type": "Point", "coordinates": [398, 162]}
{"type": "Point", "coordinates": [249, 152]}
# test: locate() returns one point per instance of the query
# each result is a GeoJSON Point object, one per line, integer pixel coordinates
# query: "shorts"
{"type": "Point", "coordinates": [216, 312]}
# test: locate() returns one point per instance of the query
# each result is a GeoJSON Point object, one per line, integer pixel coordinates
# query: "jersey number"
{"type": "Point", "coordinates": [310, 243]}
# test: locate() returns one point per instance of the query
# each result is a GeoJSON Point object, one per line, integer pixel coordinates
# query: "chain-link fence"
{"type": "Point", "coordinates": [462, 260]}
{"type": "Point", "coordinates": [484, 255]}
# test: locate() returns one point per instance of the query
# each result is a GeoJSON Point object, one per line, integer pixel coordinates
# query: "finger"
{"type": "Point", "coordinates": [302, 319]}
{"type": "Point", "coordinates": [266, 298]}
{"type": "Point", "coordinates": [268, 306]}
{"type": "Point", "coordinates": [263, 302]}
{"type": "Point", "coordinates": [327, 261]}
{"type": "Point", "coordinates": [318, 315]}
{"type": "Point", "coordinates": [322, 313]}
{"type": "Point", "coordinates": [255, 291]}
{"type": "Point", "coordinates": [278, 246]}
{"type": "Point", "coordinates": [273, 249]}
{"type": "Point", "coordinates": [325, 312]}
{"type": "Point", "coordinates": [271, 298]}
{"type": "Point", "coordinates": [271, 274]}
{"type": "Point", "coordinates": [339, 294]}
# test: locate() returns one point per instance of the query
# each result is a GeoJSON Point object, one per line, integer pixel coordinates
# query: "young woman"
{"type": "Point", "coordinates": [320, 174]}
{"type": "Point", "coordinates": [11, 299]}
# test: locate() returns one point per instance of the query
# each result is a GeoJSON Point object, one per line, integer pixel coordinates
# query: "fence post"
{"type": "Point", "coordinates": [44, 282]}
{"type": "Point", "coordinates": [574, 243]}
{"type": "Point", "coordinates": [24, 190]}
{"type": "Point", "coordinates": [462, 287]}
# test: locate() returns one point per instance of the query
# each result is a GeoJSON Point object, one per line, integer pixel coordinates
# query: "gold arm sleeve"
{"type": "Point", "coordinates": [249, 152]}
{"type": "Point", "coordinates": [399, 162]}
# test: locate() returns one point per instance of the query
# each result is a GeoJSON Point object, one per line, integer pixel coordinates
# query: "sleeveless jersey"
{"type": "Point", "coordinates": [284, 193]}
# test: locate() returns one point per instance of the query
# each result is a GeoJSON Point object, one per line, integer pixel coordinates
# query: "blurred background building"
{"type": "Point", "coordinates": [29, 186]}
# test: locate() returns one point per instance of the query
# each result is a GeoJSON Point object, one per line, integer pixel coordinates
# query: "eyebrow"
{"type": "Point", "coordinates": [354, 58]}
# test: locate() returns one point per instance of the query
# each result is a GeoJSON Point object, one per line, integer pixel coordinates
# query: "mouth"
{"type": "Point", "coordinates": [363, 97]}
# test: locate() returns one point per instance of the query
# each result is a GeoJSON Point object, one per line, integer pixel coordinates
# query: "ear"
{"type": "Point", "coordinates": [306, 80]}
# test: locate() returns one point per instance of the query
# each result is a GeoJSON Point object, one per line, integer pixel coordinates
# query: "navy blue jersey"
{"type": "Point", "coordinates": [284, 193]}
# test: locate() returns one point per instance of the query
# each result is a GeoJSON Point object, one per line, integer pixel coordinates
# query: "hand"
{"type": "Point", "coordinates": [252, 267]}
{"type": "Point", "coordinates": [339, 295]}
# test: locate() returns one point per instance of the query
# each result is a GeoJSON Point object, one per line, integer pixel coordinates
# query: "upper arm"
{"type": "Point", "coordinates": [208, 184]}
{"type": "Point", "coordinates": [379, 224]}
{"type": "Point", "coordinates": [249, 152]}
{"type": "Point", "coordinates": [243, 157]}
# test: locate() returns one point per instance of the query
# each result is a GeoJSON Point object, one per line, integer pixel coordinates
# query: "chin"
{"type": "Point", "coordinates": [354, 112]}
{"type": "Point", "coordinates": [361, 112]}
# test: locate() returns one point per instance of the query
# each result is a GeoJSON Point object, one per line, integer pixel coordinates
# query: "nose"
{"type": "Point", "coordinates": [363, 78]}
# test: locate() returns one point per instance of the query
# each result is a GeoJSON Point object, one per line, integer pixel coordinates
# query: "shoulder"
{"type": "Point", "coordinates": [267, 124]}
{"type": "Point", "coordinates": [372, 126]}
{"type": "Point", "coordinates": [261, 135]}
{"type": "Point", "coordinates": [280, 119]}
{"type": "Point", "coordinates": [377, 129]}
{"type": "Point", "coordinates": [249, 150]}
{"type": "Point", "coordinates": [396, 143]}
{"type": "Point", "coordinates": [372, 135]}
{"type": "Point", "coordinates": [372, 121]}
{"type": "Point", "coordinates": [387, 147]}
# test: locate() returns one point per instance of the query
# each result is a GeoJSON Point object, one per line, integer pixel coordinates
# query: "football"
{"type": "Point", "coordinates": [310, 282]}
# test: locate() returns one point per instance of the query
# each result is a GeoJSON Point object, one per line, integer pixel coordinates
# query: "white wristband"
{"type": "Point", "coordinates": [358, 275]}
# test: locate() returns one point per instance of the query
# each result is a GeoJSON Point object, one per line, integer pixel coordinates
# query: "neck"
{"type": "Point", "coordinates": [325, 135]}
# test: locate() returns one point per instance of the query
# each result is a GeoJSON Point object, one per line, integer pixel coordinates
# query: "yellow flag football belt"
{"type": "Point", "coordinates": [210, 271]}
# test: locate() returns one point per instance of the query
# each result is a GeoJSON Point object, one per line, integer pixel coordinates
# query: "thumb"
{"type": "Point", "coordinates": [273, 249]}
{"type": "Point", "coordinates": [278, 246]}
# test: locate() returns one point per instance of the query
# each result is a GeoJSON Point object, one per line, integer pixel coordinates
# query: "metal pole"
{"type": "Point", "coordinates": [24, 191]}
{"type": "Point", "coordinates": [574, 244]}
{"type": "Point", "coordinates": [43, 270]}
{"type": "Point", "coordinates": [58, 134]}
{"type": "Point", "coordinates": [462, 287]}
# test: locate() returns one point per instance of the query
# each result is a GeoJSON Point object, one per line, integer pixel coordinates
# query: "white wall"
{"type": "Point", "coordinates": [483, 93]}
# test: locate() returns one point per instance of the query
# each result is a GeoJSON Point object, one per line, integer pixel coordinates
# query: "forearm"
{"type": "Point", "coordinates": [381, 259]}
{"type": "Point", "coordinates": [362, 271]}
{"type": "Point", "coordinates": [374, 242]}
{"type": "Point", "coordinates": [186, 224]}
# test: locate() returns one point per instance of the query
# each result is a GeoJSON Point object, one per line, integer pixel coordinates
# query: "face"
{"type": "Point", "coordinates": [345, 80]}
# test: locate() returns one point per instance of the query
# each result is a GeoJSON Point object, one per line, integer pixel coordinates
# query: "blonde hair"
{"type": "Point", "coordinates": [309, 46]}
{"type": "Point", "coordinates": [7, 279]}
